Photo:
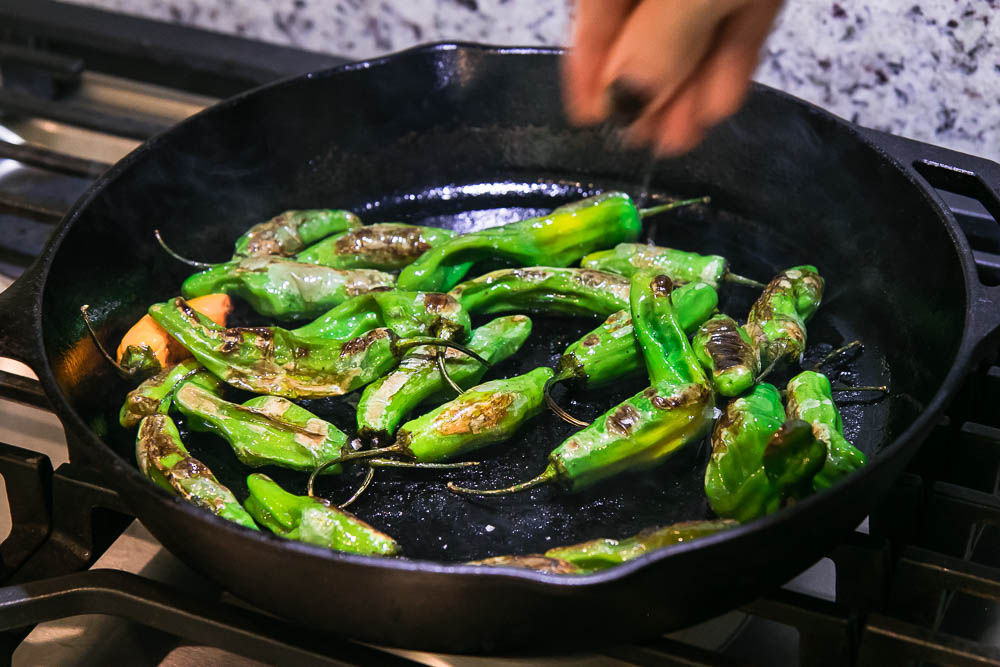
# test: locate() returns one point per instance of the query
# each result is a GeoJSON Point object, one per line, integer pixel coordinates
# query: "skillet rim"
{"type": "Point", "coordinates": [127, 477]}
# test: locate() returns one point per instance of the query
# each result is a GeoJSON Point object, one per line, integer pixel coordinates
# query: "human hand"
{"type": "Point", "coordinates": [674, 67]}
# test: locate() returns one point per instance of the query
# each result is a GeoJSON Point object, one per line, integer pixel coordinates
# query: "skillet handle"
{"type": "Point", "coordinates": [20, 319]}
{"type": "Point", "coordinates": [970, 176]}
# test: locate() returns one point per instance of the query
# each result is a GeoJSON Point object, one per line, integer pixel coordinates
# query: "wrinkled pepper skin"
{"type": "Point", "coordinates": [558, 239]}
{"type": "Point", "coordinates": [283, 288]}
{"type": "Point", "coordinates": [544, 290]}
{"type": "Point", "coordinates": [601, 554]}
{"type": "Point", "coordinates": [266, 430]}
{"type": "Point", "coordinates": [313, 520]}
{"type": "Point", "coordinates": [387, 246]}
{"type": "Point", "coordinates": [486, 414]}
{"type": "Point", "coordinates": [408, 314]}
{"type": "Point", "coordinates": [736, 482]}
{"type": "Point", "coordinates": [274, 361]}
{"type": "Point", "coordinates": [154, 395]}
{"type": "Point", "coordinates": [680, 266]}
{"type": "Point", "coordinates": [727, 353]}
{"type": "Point", "coordinates": [386, 402]}
{"type": "Point", "coordinates": [611, 352]}
{"type": "Point", "coordinates": [810, 399]}
{"type": "Point", "coordinates": [162, 457]}
{"type": "Point", "coordinates": [777, 320]}
{"type": "Point", "coordinates": [287, 233]}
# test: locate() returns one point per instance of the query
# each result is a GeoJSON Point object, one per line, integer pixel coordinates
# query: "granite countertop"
{"type": "Point", "coordinates": [928, 70]}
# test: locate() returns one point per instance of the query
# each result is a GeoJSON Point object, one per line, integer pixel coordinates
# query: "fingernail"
{"type": "Point", "coordinates": [626, 101]}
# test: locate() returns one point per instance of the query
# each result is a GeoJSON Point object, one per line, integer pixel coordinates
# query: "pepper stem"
{"type": "Point", "coordinates": [393, 463]}
{"type": "Point", "coordinates": [557, 409]}
{"type": "Point", "coordinates": [361, 489]}
{"type": "Point", "coordinates": [737, 279]}
{"type": "Point", "coordinates": [844, 390]}
{"type": "Point", "coordinates": [836, 353]}
{"type": "Point", "coordinates": [84, 310]}
{"type": "Point", "coordinates": [418, 341]}
{"type": "Point", "coordinates": [350, 456]}
{"type": "Point", "coordinates": [654, 210]}
{"type": "Point", "coordinates": [179, 258]}
{"type": "Point", "coordinates": [548, 475]}
{"type": "Point", "coordinates": [443, 369]}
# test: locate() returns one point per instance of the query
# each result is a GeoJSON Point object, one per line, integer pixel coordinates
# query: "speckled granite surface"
{"type": "Point", "coordinates": [928, 69]}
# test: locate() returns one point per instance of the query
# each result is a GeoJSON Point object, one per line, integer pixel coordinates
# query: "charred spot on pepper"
{"type": "Point", "coordinates": [689, 395]}
{"type": "Point", "coordinates": [363, 342]}
{"type": "Point", "coordinates": [622, 420]}
{"type": "Point", "coordinates": [435, 302]}
{"type": "Point", "coordinates": [661, 285]}
{"type": "Point", "coordinates": [591, 340]}
{"type": "Point", "coordinates": [536, 562]}
{"type": "Point", "coordinates": [725, 345]}
{"type": "Point", "coordinates": [384, 243]}
{"type": "Point", "coordinates": [482, 415]}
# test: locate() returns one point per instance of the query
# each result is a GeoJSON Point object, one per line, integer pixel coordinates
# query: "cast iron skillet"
{"type": "Point", "coordinates": [427, 134]}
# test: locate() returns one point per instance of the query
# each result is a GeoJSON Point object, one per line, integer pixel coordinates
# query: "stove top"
{"type": "Point", "coordinates": [84, 583]}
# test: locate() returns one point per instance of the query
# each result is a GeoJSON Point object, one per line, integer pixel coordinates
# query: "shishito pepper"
{"type": "Point", "coordinates": [387, 246]}
{"type": "Point", "coordinates": [646, 429]}
{"type": "Point", "coordinates": [163, 458]}
{"type": "Point", "coordinates": [810, 399]}
{"type": "Point", "coordinates": [678, 265]}
{"type": "Point", "coordinates": [287, 233]}
{"type": "Point", "coordinates": [759, 461]}
{"type": "Point", "coordinates": [408, 314]}
{"type": "Point", "coordinates": [386, 402]}
{"type": "Point", "coordinates": [544, 290]}
{"type": "Point", "coordinates": [601, 554]}
{"type": "Point", "coordinates": [777, 320]}
{"type": "Point", "coordinates": [266, 430]}
{"type": "Point", "coordinates": [272, 360]}
{"type": "Point", "coordinates": [486, 414]}
{"type": "Point", "coordinates": [313, 520]}
{"type": "Point", "coordinates": [557, 239]}
{"type": "Point", "coordinates": [283, 288]}
{"type": "Point", "coordinates": [154, 394]}
{"type": "Point", "coordinates": [725, 350]}
{"type": "Point", "coordinates": [611, 352]}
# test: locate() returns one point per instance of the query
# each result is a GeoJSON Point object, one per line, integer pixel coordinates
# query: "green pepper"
{"type": "Point", "coordinates": [408, 314]}
{"type": "Point", "coordinates": [283, 288]}
{"type": "Point", "coordinates": [646, 429]}
{"type": "Point", "coordinates": [313, 520]}
{"type": "Point", "coordinates": [272, 360]}
{"type": "Point", "coordinates": [544, 290]}
{"type": "Point", "coordinates": [726, 351]}
{"type": "Point", "coordinates": [737, 482]}
{"type": "Point", "coordinates": [154, 394]}
{"type": "Point", "coordinates": [777, 320]}
{"type": "Point", "coordinates": [289, 232]}
{"type": "Point", "coordinates": [678, 265]}
{"type": "Point", "coordinates": [811, 400]}
{"type": "Point", "coordinates": [536, 562]}
{"type": "Point", "coordinates": [387, 401]}
{"type": "Point", "coordinates": [557, 239]}
{"type": "Point", "coordinates": [162, 457]}
{"type": "Point", "coordinates": [387, 246]}
{"type": "Point", "coordinates": [600, 554]}
{"type": "Point", "coordinates": [266, 430]}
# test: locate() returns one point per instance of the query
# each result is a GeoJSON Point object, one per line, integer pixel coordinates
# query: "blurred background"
{"type": "Point", "coordinates": [927, 69]}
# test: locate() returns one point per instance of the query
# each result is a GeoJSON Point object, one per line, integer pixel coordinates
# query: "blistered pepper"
{"type": "Point", "coordinates": [777, 320]}
{"type": "Point", "coordinates": [611, 352]}
{"type": "Point", "coordinates": [678, 265]}
{"type": "Point", "coordinates": [544, 290]}
{"type": "Point", "coordinates": [725, 351]}
{"type": "Point", "coordinates": [274, 361]}
{"type": "Point", "coordinates": [648, 428]}
{"type": "Point", "coordinates": [287, 233]}
{"type": "Point", "coordinates": [283, 288]}
{"type": "Point", "coordinates": [313, 520]}
{"type": "Point", "coordinates": [758, 460]}
{"type": "Point", "coordinates": [155, 394]}
{"type": "Point", "coordinates": [810, 399]}
{"type": "Point", "coordinates": [386, 402]}
{"type": "Point", "coordinates": [387, 246]}
{"type": "Point", "coordinates": [162, 457]}
{"type": "Point", "coordinates": [557, 239]}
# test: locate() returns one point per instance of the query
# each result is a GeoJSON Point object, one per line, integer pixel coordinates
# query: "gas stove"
{"type": "Point", "coordinates": [84, 583]}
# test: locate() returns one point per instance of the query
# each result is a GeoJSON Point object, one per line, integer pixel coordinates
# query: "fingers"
{"type": "Point", "coordinates": [595, 27]}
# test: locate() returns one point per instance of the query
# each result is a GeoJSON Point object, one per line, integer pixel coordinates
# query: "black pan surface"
{"type": "Point", "coordinates": [428, 136]}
